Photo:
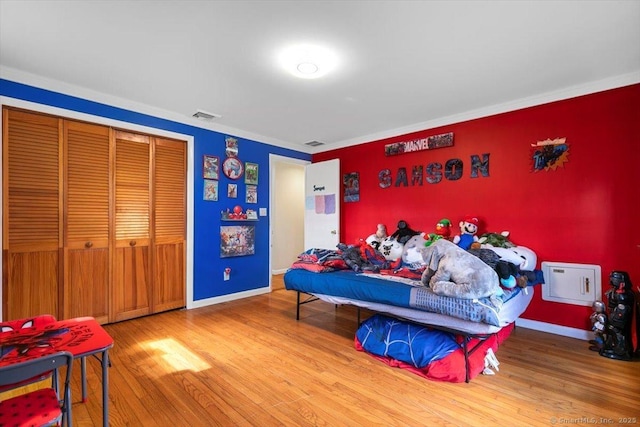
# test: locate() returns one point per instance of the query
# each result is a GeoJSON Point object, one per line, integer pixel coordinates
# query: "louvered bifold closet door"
{"type": "Point", "coordinates": [31, 214]}
{"type": "Point", "coordinates": [170, 193]}
{"type": "Point", "coordinates": [132, 285]}
{"type": "Point", "coordinates": [86, 243]}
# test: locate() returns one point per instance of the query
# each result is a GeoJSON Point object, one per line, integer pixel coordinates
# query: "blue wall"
{"type": "Point", "coordinates": [248, 272]}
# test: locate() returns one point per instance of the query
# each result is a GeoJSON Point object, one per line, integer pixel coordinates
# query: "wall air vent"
{"type": "Point", "coordinates": [313, 143]}
{"type": "Point", "coordinates": [203, 115]}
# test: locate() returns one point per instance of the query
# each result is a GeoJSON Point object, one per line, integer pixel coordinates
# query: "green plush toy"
{"type": "Point", "coordinates": [497, 240]}
{"type": "Point", "coordinates": [430, 238]}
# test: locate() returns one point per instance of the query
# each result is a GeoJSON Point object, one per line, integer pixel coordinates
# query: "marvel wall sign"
{"type": "Point", "coordinates": [428, 143]}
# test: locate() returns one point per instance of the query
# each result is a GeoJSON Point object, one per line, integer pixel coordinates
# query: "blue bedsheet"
{"type": "Point", "coordinates": [365, 287]}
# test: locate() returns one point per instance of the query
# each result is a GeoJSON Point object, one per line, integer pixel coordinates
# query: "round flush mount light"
{"type": "Point", "coordinates": [308, 61]}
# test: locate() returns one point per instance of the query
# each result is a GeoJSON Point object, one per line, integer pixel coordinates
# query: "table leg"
{"type": "Point", "coordinates": [68, 402]}
{"type": "Point", "coordinates": [105, 388]}
{"type": "Point", "coordinates": [83, 369]}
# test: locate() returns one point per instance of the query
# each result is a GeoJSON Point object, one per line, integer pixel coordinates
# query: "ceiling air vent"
{"type": "Point", "coordinates": [200, 114]}
{"type": "Point", "coordinates": [313, 143]}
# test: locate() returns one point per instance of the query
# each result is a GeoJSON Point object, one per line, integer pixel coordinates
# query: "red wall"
{"type": "Point", "coordinates": [584, 212]}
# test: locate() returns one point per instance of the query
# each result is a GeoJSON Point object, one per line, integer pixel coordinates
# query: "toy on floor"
{"type": "Point", "coordinates": [618, 342]}
{"type": "Point", "coordinates": [468, 230]}
{"type": "Point", "coordinates": [599, 321]}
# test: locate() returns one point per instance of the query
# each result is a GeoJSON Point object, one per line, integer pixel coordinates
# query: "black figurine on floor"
{"type": "Point", "coordinates": [618, 342]}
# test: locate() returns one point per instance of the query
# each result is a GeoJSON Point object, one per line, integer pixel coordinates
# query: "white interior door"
{"type": "Point", "coordinates": [322, 205]}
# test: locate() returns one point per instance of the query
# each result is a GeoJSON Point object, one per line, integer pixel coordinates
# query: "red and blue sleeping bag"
{"type": "Point", "coordinates": [427, 352]}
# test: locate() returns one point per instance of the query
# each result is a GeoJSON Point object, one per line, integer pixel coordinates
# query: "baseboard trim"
{"type": "Point", "coordinates": [226, 298]}
{"type": "Point", "coordinates": [279, 271]}
{"type": "Point", "coordinates": [555, 329]}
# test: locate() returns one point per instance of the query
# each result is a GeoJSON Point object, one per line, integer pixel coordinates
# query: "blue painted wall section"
{"type": "Point", "coordinates": [248, 272]}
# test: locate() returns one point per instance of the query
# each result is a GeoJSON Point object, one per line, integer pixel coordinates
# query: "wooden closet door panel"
{"type": "Point", "coordinates": [132, 284]}
{"type": "Point", "coordinates": [32, 284]}
{"type": "Point", "coordinates": [87, 283]}
{"type": "Point", "coordinates": [87, 207]}
{"type": "Point", "coordinates": [131, 293]}
{"type": "Point", "coordinates": [169, 290]}
{"type": "Point", "coordinates": [31, 213]}
{"type": "Point", "coordinates": [170, 221]}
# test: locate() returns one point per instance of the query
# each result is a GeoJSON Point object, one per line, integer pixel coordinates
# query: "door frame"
{"type": "Point", "coordinates": [274, 159]}
{"type": "Point", "coordinates": [56, 111]}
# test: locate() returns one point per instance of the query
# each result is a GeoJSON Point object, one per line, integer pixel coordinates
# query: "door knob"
{"type": "Point", "coordinates": [132, 243]}
{"type": "Point", "coordinates": [88, 244]}
{"type": "Point", "coordinates": [334, 232]}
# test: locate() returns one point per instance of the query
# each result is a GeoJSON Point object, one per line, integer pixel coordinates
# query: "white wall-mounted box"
{"type": "Point", "coordinates": [578, 284]}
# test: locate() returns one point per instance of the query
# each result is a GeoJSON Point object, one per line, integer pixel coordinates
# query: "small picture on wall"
{"type": "Point", "coordinates": [237, 240]}
{"type": "Point", "coordinates": [549, 154]}
{"type": "Point", "coordinates": [252, 194]}
{"type": "Point", "coordinates": [251, 173]}
{"type": "Point", "coordinates": [210, 190]}
{"type": "Point", "coordinates": [351, 183]}
{"type": "Point", "coordinates": [211, 167]}
{"type": "Point", "coordinates": [231, 147]}
{"type": "Point", "coordinates": [232, 191]}
{"type": "Point", "coordinates": [232, 168]}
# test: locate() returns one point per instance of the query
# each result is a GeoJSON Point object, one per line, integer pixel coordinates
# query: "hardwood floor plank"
{"type": "Point", "coordinates": [250, 363]}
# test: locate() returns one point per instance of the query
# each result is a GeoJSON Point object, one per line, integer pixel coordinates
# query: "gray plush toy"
{"type": "Point", "coordinates": [453, 272]}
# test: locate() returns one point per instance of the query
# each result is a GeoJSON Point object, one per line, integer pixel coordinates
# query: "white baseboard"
{"type": "Point", "coordinates": [230, 297]}
{"type": "Point", "coordinates": [555, 329]}
{"type": "Point", "coordinates": [279, 271]}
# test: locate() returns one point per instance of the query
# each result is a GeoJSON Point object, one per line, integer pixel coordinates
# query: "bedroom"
{"type": "Point", "coordinates": [598, 180]}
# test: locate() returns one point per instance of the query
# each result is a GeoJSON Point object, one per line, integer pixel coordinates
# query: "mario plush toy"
{"type": "Point", "coordinates": [468, 230]}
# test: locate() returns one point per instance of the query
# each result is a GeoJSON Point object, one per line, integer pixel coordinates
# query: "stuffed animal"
{"type": "Point", "coordinates": [391, 249]}
{"type": "Point", "coordinates": [528, 258]}
{"type": "Point", "coordinates": [443, 231]}
{"type": "Point", "coordinates": [443, 228]}
{"type": "Point", "coordinates": [496, 240]}
{"type": "Point", "coordinates": [521, 256]}
{"type": "Point", "coordinates": [403, 233]}
{"type": "Point", "coordinates": [376, 238]}
{"type": "Point", "coordinates": [454, 272]}
{"type": "Point", "coordinates": [468, 230]}
{"type": "Point", "coordinates": [411, 253]}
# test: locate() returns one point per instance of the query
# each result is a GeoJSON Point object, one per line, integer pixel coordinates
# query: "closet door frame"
{"type": "Point", "coordinates": [189, 139]}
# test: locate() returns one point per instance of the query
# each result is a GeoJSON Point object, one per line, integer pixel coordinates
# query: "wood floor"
{"type": "Point", "coordinates": [250, 363]}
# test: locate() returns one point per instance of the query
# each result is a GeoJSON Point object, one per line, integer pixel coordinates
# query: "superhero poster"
{"type": "Point", "coordinates": [237, 240]}
{"type": "Point", "coordinates": [351, 184]}
{"type": "Point", "coordinates": [549, 154]}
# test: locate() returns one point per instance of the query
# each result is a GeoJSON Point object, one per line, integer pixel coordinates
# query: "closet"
{"type": "Point", "coordinates": [94, 219]}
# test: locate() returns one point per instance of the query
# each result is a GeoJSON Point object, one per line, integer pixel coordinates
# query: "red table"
{"type": "Point", "coordinates": [82, 337]}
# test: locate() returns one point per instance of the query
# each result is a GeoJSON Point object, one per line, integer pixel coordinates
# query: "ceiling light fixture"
{"type": "Point", "coordinates": [307, 67]}
{"type": "Point", "coordinates": [308, 61]}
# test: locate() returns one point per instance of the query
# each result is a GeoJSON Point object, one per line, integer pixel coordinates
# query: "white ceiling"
{"type": "Point", "coordinates": [403, 65]}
